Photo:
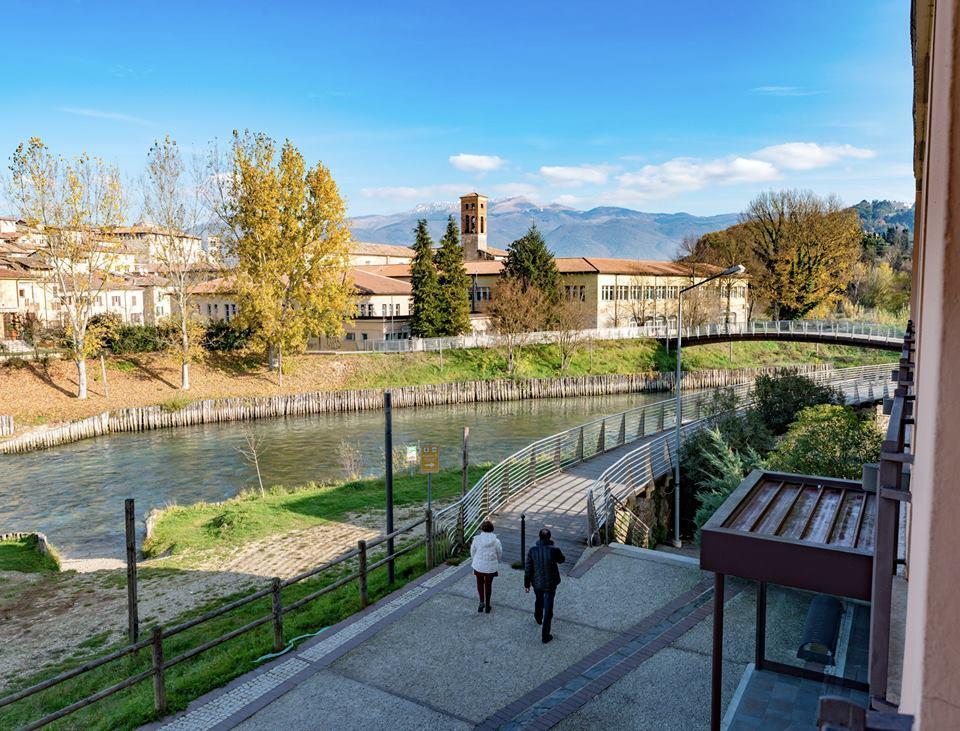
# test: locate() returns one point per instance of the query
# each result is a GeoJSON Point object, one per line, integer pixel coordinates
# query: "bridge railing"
{"type": "Point", "coordinates": [639, 469]}
{"type": "Point", "coordinates": [457, 522]}
{"type": "Point", "coordinates": [826, 329]}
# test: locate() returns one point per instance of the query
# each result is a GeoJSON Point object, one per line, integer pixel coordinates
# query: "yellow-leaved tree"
{"type": "Point", "coordinates": [75, 206]}
{"type": "Point", "coordinates": [285, 229]}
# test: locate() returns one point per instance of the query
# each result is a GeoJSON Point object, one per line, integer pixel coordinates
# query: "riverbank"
{"type": "Point", "coordinates": [180, 412]}
{"type": "Point", "coordinates": [38, 393]}
{"type": "Point", "coordinates": [193, 535]}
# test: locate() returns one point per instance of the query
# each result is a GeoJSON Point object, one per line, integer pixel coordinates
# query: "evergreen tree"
{"type": "Point", "coordinates": [454, 299]}
{"type": "Point", "coordinates": [425, 314]}
{"type": "Point", "coordinates": [531, 263]}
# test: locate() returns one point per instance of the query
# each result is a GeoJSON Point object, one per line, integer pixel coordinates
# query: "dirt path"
{"type": "Point", "coordinates": [47, 619]}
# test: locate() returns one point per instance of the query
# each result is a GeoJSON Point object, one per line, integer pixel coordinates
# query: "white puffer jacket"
{"type": "Point", "coordinates": [486, 552]}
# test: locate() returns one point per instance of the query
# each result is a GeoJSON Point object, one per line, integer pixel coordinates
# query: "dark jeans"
{"type": "Point", "coordinates": [543, 609]}
{"type": "Point", "coordinates": [484, 586]}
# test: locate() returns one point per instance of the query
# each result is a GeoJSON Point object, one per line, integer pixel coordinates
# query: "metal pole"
{"type": "Point", "coordinates": [716, 674]}
{"type": "Point", "coordinates": [133, 620]}
{"type": "Point", "coordinates": [678, 419]}
{"type": "Point", "coordinates": [523, 537]}
{"type": "Point", "coordinates": [388, 476]}
{"type": "Point", "coordinates": [429, 490]}
{"type": "Point", "coordinates": [466, 461]}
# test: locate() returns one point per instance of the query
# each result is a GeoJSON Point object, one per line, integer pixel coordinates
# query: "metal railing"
{"type": "Point", "coordinates": [640, 468]}
{"type": "Point", "coordinates": [827, 330]}
{"type": "Point", "coordinates": [354, 565]}
{"type": "Point", "coordinates": [457, 522]}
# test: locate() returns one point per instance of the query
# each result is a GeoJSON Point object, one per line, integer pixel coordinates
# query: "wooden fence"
{"type": "Point", "coordinates": [6, 425]}
{"type": "Point", "coordinates": [159, 664]}
{"type": "Point", "coordinates": [212, 411]}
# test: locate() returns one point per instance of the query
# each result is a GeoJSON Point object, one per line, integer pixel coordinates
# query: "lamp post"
{"type": "Point", "coordinates": [678, 417]}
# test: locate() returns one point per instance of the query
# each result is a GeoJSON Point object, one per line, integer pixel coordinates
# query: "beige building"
{"type": "Point", "coordinates": [366, 254]}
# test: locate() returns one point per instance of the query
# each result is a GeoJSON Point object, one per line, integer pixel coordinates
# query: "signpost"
{"type": "Point", "coordinates": [429, 465]}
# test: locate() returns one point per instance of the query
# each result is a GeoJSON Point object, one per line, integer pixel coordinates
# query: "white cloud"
{"type": "Point", "coordinates": [566, 199]}
{"type": "Point", "coordinates": [576, 175]}
{"type": "Point", "coordinates": [418, 194]}
{"type": "Point", "coordinates": [508, 190]}
{"type": "Point", "coordinates": [100, 114]}
{"type": "Point", "coordinates": [810, 155]}
{"type": "Point", "coordinates": [687, 173]}
{"type": "Point", "coordinates": [476, 163]}
{"type": "Point", "coordinates": [784, 91]}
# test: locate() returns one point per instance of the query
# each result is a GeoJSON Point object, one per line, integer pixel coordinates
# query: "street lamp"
{"type": "Point", "coordinates": [678, 418]}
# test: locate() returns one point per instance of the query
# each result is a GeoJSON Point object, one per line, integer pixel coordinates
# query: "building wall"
{"type": "Point", "coordinates": [931, 670]}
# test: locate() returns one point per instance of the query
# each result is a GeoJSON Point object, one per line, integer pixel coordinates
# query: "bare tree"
{"type": "Point", "coordinates": [571, 321]}
{"type": "Point", "coordinates": [250, 450]}
{"type": "Point", "coordinates": [172, 200]}
{"type": "Point", "coordinates": [516, 313]}
{"type": "Point", "coordinates": [76, 205]}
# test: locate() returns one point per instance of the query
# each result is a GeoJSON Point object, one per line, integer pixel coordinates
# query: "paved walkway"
{"type": "Point", "coordinates": [632, 646]}
{"type": "Point", "coordinates": [558, 503]}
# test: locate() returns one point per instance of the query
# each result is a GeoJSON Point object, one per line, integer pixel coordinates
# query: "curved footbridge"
{"type": "Point", "coordinates": [572, 482]}
{"type": "Point", "coordinates": [827, 332]}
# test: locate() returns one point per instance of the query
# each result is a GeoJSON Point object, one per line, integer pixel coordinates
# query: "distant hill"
{"type": "Point", "coordinates": [606, 231]}
{"type": "Point", "coordinates": [878, 216]}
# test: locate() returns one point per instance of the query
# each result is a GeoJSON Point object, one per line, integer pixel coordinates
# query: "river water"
{"type": "Point", "coordinates": [74, 493]}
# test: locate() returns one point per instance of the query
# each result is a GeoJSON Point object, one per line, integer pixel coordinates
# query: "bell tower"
{"type": "Point", "coordinates": [473, 225]}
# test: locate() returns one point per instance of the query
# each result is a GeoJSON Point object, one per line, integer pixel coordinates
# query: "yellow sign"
{"type": "Point", "coordinates": [429, 458]}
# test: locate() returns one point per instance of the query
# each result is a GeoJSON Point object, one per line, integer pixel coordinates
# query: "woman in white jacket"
{"type": "Point", "coordinates": [485, 552]}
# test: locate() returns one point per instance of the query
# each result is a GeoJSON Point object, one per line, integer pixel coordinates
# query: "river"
{"type": "Point", "coordinates": [74, 493]}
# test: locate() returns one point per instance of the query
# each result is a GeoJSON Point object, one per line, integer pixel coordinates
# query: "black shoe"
{"type": "Point", "coordinates": [539, 620]}
{"type": "Point", "coordinates": [487, 609]}
{"type": "Point", "coordinates": [480, 608]}
{"type": "Point", "coordinates": [547, 639]}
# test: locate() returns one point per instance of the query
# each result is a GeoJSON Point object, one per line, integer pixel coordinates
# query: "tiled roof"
{"type": "Point", "coordinates": [371, 249]}
{"type": "Point", "coordinates": [368, 282]}
{"type": "Point", "coordinates": [650, 267]}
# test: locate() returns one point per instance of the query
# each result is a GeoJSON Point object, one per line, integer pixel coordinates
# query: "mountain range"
{"type": "Point", "coordinates": [605, 231]}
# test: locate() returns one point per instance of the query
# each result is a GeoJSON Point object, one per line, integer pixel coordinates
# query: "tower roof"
{"type": "Point", "coordinates": [473, 195]}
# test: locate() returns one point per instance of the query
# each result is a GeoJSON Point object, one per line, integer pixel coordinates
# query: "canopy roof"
{"type": "Point", "coordinates": [807, 532]}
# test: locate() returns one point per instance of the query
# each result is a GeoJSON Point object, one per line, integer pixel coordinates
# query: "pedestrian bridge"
{"type": "Point", "coordinates": [573, 482]}
{"type": "Point", "coordinates": [832, 332]}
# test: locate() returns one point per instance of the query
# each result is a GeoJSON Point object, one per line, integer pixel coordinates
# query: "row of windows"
{"type": "Point", "coordinates": [575, 292]}
{"type": "Point", "coordinates": [610, 292]}
{"type": "Point", "coordinates": [386, 310]}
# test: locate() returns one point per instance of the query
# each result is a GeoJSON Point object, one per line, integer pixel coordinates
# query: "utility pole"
{"type": "Point", "coordinates": [388, 476]}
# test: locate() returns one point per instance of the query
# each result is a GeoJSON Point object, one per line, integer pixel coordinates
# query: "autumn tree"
{"type": "Point", "coordinates": [531, 263]}
{"type": "Point", "coordinates": [454, 283]}
{"type": "Point", "coordinates": [515, 313]}
{"type": "Point", "coordinates": [75, 205]}
{"type": "Point", "coordinates": [172, 201]}
{"type": "Point", "coordinates": [284, 225]}
{"type": "Point", "coordinates": [569, 322]}
{"type": "Point", "coordinates": [805, 248]}
{"type": "Point", "coordinates": [425, 313]}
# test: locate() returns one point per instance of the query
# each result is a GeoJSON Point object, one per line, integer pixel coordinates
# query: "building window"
{"type": "Point", "coordinates": [209, 310]}
{"type": "Point", "coordinates": [133, 300]}
{"type": "Point", "coordinates": [607, 292]}
{"type": "Point", "coordinates": [135, 318]}
{"type": "Point", "coordinates": [383, 310]}
{"type": "Point", "coordinates": [672, 292]}
{"type": "Point", "coordinates": [351, 336]}
{"type": "Point", "coordinates": [636, 292]}
{"type": "Point", "coordinates": [363, 336]}
{"type": "Point", "coordinates": [115, 300]}
{"type": "Point", "coordinates": [649, 292]}
{"type": "Point", "coordinates": [661, 292]}
{"type": "Point", "coordinates": [623, 292]}
{"type": "Point", "coordinates": [575, 292]}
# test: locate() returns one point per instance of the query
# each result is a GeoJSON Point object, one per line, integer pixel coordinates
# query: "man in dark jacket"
{"type": "Point", "coordinates": [542, 574]}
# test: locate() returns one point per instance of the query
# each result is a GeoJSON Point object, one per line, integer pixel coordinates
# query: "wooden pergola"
{"type": "Point", "coordinates": [800, 531]}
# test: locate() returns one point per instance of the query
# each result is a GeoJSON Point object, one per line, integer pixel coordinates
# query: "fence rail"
{"type": "Point", "coordinates": [456, 523]}
{"type": "Point", "coordinates": [159, 664]}
{"type": "Point", "coordinates": [826, 330]}
{"type": "Point", "coordinates": [640, 468]}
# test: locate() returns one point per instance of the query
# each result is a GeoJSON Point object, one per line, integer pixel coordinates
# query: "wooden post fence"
{"type": "Point", "coordinates": [362, 572]}
{"type": "Point", "coordinates": [159, 682]}
{"type": "Point", "coordinates": [130, 530]}
{"type": "Point", "coordinates": [277, 615]}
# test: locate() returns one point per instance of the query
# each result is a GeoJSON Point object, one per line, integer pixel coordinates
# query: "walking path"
{"type": "Point", "coordinates": [632, 646]}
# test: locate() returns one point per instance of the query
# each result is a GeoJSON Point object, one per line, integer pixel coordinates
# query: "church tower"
{"type": "Point", "coordinates": [473, 226]}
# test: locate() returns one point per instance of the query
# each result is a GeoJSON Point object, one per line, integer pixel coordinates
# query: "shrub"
{"type": "Point", "coordinates": [720, 472]}
{"type": "Point", "coordinates": [224, 337]}
{"type": "Point", "coordinates": [833, 441]}
{"type": "Point", "coordinates": [781, 397]}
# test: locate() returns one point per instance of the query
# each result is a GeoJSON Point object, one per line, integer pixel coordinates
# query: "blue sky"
{"type": "Point", "coordinates": [686, 106]}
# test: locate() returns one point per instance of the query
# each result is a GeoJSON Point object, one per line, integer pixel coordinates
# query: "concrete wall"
{"type": "Point", "coordinates": [931, 672]}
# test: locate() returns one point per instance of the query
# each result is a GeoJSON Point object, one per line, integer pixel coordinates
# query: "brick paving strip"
{"type": "Point", "coordinates": [226, 707]}
{"type": "Point", "coordinates": [566, 692]}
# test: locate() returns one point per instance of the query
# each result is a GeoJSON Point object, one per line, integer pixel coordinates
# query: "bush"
{"type": "Point", "coordinates": [224, 337]}
{"type": "Point", "coordinates": [832, 441]}
{"type": "Point", "coordinates": [121, 339]}
{"type": "Point", "coordinates": [781, 397]}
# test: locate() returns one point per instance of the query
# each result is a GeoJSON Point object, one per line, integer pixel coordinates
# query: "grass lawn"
{"type": "Point", "coordinates": [23, 554]}
{"type": "Point", "coordinates": [204, 526]}
{"type": "Point", "coordinates": [186, 681]}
